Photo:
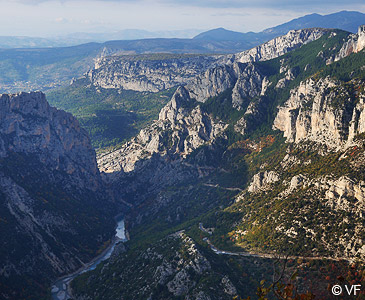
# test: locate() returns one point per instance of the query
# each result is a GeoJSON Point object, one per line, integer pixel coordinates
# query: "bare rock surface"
{"type": "Point", "coordinates": [311, 113]}
{"type": "Point", "coordinates": [47, 172]}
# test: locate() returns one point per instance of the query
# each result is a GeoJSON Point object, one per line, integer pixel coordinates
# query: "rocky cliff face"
{"type": "Point", "coordinates": [29, 125]}
{"type": "Point", "coordinates": [181, 128]}
{"type": "Point", "coordinates": [50, 195]}
{"type": "Point", "coordinates": [151, 73]}
{"type": "Point", "coordinates": [262, 181]}
{"type": "Point", "coordinates": [207, 76]}
{"type": "Point", "coordinates": [155, 158]}
{"type": "Point", "coordinates": [323, 111]}
{"type": "Point", "coordinates": [280, 45]}
{"type": "Point", "coordinates": [323, 123]}
{"type": "Point", "coordinates": [245, 80]}
{"type": "Point", "coordinates": [354, 44]}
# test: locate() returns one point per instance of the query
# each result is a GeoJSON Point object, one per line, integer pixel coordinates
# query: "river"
{"type": "Point", "coordinates": [60, 289]}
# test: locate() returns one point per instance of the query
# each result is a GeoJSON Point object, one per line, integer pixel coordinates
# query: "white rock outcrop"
{"type": "Point", "coordinates": [280, 45]}
{"type": "Point", "coordinates": [316, 111]}
{"type": "Point", "coordinates": [179, 130]}
{"type": "Point", "coordinates": [354, 44]}
{"type": "Point", "coordinates": [339, 191]}
{"type": "Point", "coordinates": [151, 74]}
{"type": "Point", "coordinates": [245, 80]}
{"type": "Point", "coordinates": [262, 181]}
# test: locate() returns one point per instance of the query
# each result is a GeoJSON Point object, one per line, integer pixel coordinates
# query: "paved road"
{"type": "Point", "coordinates": [201, 227]}
{"type": "Point", "coordinates": [223, 188]}
{"type": "Point", "coordinates": [264, 255]}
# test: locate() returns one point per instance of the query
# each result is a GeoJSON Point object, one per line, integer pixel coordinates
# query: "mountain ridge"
{"type": "Point", "coordinates": [345, 20]}
{"type": "Point", "coordinates": [20, 69]}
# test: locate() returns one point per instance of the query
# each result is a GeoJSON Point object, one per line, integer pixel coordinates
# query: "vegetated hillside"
{"type": "Point", "coordinates": [279, 174]}
{"type": "Point", "coordinates": [110, 116]}
{"type": "Point", "coordinates": [54, 212]}
{"type": "Point", "coordinates": [175, 267]}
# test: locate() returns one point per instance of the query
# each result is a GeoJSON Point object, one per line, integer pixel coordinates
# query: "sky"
{"type": "Point", "coordinates": [45, 18]}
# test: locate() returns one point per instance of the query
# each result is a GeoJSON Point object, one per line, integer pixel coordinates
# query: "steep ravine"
{"type": "Point", "coordinates": [291, 184]}
{"type": "Point", "coordinates": [61, 289]}
{"type": "Point", "coordinates": [51, 196]}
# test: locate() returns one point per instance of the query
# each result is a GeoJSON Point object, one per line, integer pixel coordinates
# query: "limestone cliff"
{"type": "Point", "coordinates": [262, 181]}
{"type": "Point", "coordinates": [28, 124]}
{"type": "Point", "coordinates": [280, 45]}
{"type": "Point", "coordinates": [181, 128]}
{"type": "Point", "coordinates": [150, 73]}
{"type": "Point", "coordinates": [245, 80]}
{"type": "Point", "coordinates": [354, 44]}
{"type": "Point", "coordinates": [53, 214]}
{"type": "Point", "coordinates": [323, 111]}
{"type": "Point", "coordinates": [206, 75]}
{"type": "Point", "coordinates": [237, 72]}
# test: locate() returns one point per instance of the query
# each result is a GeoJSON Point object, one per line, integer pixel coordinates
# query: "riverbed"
{"type": "Point", "coordinates": [60, 289]}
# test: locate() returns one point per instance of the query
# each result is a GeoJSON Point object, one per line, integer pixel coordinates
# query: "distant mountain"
{"type": "Point", "coordinates": [44, 68]}
{"type": "Point", "coordinates": [78, 38]}
{"type": "Point", "coordinates": [221, 34]}
{"type": "Point", "coordinates": [25, 42]}
{"type": "Point", "coordinates": [345, 20]}
{"type": "Point", "coordinates": [129, 34]}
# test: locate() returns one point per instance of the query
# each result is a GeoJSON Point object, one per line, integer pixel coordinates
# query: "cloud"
{"type": "Point", "coordinates": [294, 5]}
{"type": "Point", "coordinates": [282, 4]}
{"type": "Point", "coordinates": [232, 14]}
{"type": "Point", "coordinates": [61, 20]}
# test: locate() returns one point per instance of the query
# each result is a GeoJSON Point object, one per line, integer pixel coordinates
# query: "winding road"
{"type": "Point", "coordinates": [264, 255]}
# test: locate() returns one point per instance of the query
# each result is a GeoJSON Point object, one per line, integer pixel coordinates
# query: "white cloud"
{"type": "Point", "coordinates": [61, 20]}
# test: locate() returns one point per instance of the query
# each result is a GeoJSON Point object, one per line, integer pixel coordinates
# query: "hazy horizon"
{"type": "Point", "coordinates": [47, 18]}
